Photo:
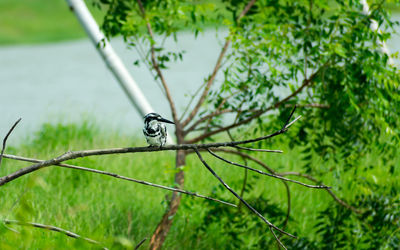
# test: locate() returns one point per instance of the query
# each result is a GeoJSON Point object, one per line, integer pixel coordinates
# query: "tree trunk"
{"type": "Point", "coordinates": [163, 227]}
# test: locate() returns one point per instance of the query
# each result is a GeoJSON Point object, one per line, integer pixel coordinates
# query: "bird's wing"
{"type": "Point", "coordinates": [163, 130]}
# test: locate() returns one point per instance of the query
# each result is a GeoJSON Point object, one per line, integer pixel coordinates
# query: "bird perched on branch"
{"type": "Point", "coordinates": [154, 129]}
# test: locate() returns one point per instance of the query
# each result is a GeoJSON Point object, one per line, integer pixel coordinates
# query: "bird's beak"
{"type": "Point", "coordinates": [165, 120]}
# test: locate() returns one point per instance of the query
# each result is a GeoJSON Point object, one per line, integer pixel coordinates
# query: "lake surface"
{"type": "Point", "coordinates": [68, 81]}
{"type": "Point", "coordinates": [65, 82]}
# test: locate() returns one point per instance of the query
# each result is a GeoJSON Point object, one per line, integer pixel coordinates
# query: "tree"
{"type": "Point", "coordinates": [322, 54]}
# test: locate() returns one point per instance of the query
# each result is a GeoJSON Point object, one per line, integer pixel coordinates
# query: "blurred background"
{"type": "Point", "coordinates": [50, 72]}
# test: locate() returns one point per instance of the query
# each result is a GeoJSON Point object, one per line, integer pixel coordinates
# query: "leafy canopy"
{"type": "Point", "coordinates": [321, 55]}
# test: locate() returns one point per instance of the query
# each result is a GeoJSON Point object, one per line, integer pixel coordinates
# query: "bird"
{"type": "Point", "coordinates": [154, 129]}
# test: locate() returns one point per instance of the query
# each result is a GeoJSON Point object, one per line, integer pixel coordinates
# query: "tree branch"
{"type": "Point", "coordinates": [157, 67]}
{"type": "Point", "coordinates": [216, 68]}
{"type": "Point", "coordinates": [310, 105]}
{"type": "Point", "coordinates": [53, 228]}
{"type": "Point", "coordinates": [13, 157]}
{"type": "Point", "coordinates": [341, 202]}
{"type": "Point", "coordinates": [259, 150]}
{"type": "Point", "coordinates": [140, 243]}
{"type": "Point", "coordinates": [237, 196]}
{"type": "Point", "coordinates": [209, 116]}
{"type": "Point", "coordinates": [6, 137]}
{"type": "Point", "coordinates": [306, 82]}
{"type": "Point", "coordinates": [264, 173]}
{"type": "Point", "coordinates": [277, 239]}
{"type": "Point", "coordinates": [84, 153]}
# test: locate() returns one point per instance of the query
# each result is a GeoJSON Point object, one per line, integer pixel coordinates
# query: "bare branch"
{"type": "Point", "coordinates": [79, 154]}
{"type": "Point", "coordinates": [140, 243]}
{"type": "Point", "coordinates": [55, 229]}
{"type": "Point", "coordinates": [191, 100]}
{"type": "Point", "coordinates": [246, 156]}
{"type": "Point", "coordinates": [259, 150]}
{"type": "Point", "coordinates": [237, 196]}
{"type": "Point", "coordinates": [120, 177]}
{"type": "Point", "coordinates": [209, 83]}
{"type": "Point", "coordinates": [6, 137]}
{"type": "Point", "coordinates": [309, 105]}
{"type": "Point", "coordinates": [216, 68]}
{"type": "Point", "coordinates": [341, 202]}
{"type": "Point", "coordinates": [157, 67]}
{"type": "Point", "coordinates": [277, 239]}
{"type": "Point", "coordinates": [288, 203]}
{"type": "Point", "coordinates": [209, 116]}
{"type": "Point", "coordinates": [264, 173]}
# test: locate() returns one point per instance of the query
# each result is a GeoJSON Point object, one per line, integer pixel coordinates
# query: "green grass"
{"type": "Point", "coordinates": [121, 213]}
{"type": "Point", "coordinates": [39, 21]}
{"type": "Point", "coordinates": [43, 21]}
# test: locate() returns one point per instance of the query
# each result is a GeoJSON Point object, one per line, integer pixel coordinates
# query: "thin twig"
{"type": "Point", "coordinates": [228, 151]}
{"type": "Point", "coordinates": [79, 154]}
{"type": "Point", "coordinates": [264, 173]}
{"type": "Point", "coordinates": [191, 100]}
{"type": "Point", "coordinates": [140, 243]}
{"type": "Point", "coordinates": [53, 228]}
{"type": "Point", "coordinates": [157, 67]}
{"type": "Point", "coordinates": [243, 185]}
{"type": "Point", "coordinates": [259, 150]}
{"type": "Point", "coordinates": [209, 83]}
{"type": "Point", "coordinates": [216, 68]}
{"type": "Point", "coordinates": [289, 205]}
{"type": "Point", "coordinates": [238, 196]}
{"type": "Point", "coordinates": [245, 172]}
{"type": "Point", "coordinates": [309, 105]}
{"type": "Point", "coordinates": [341, 202]}
{"type": "Point", "coordinates": [6, 137]}
{"type": "Point", "coordinates": [277, 239]}
{"type": "Point", "coordinates": [209, 116]}
{"type": "Point", "coordinates": [249, 157]}
{"type": "Point", "coordinates": [120, 177]}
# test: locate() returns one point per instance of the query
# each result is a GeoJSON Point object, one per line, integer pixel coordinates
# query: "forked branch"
{"type": "Point", "coordinates": [238, 196]}
{"type": "Point", "coordinates": [216, 69]}
{"type": "Point", "coordinates": [306, 176]}
{"type": "Point", "coordinates": [264, 173]}
{"type": "Point", "coordinates": [156, 66]}
{"type": "Point", "coordinates": [6, 137]}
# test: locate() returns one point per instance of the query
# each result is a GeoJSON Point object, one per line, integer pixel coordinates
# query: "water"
{"type": "Point", "coordinates": [68, 81]}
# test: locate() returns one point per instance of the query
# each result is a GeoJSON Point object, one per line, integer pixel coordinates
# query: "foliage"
{"type": "Point", "coordinates": [278, 47]}
{"type": "Point", "coordinates": [321, 55]}
{"type": "Point", "coordinates": [377, 227]}
{"type": "Point", "coordinates": [94, 210]}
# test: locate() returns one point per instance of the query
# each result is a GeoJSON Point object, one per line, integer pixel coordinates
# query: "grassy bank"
{"type": "Point", "coordinates": [42, 21]}
{"type": "Point", "coordinates": [39, 21]}
{"type": "Point", "coordinates": [120, 213]}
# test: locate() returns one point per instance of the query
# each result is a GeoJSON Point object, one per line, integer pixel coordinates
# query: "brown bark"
{"type": "Point", "coordinates": [163, 227]}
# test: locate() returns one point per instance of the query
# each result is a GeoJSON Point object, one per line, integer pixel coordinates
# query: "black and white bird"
{"type": "Point", "coordinates": [154, 129]}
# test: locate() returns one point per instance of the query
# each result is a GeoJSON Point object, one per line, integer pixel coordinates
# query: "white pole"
{"type": "Point", "coordinates": [111, 59]}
